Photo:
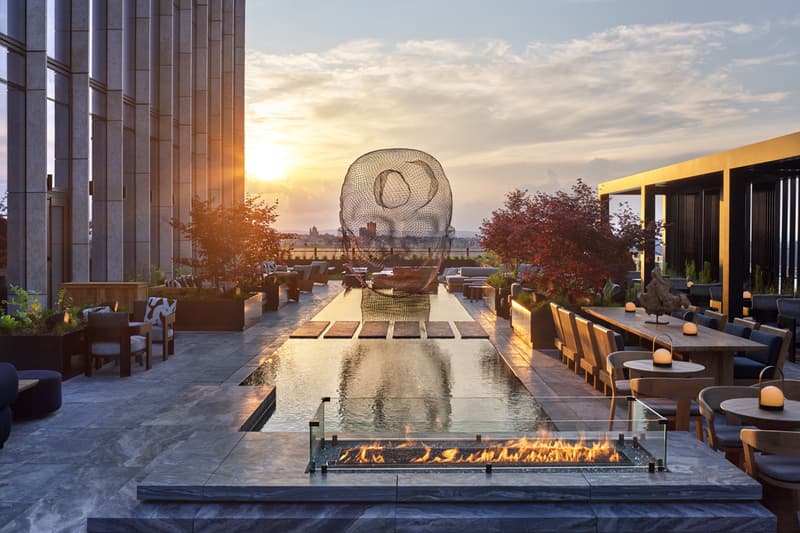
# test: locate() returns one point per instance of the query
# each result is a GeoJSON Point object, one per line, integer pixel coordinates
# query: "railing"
{"type": "Point", "coordinates": [336, 252]}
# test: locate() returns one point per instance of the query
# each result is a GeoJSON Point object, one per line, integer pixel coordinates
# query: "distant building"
{"type": "Point", "coordinates": [313, 232]}
{"type": "Point", "coordinates": [369, 232]}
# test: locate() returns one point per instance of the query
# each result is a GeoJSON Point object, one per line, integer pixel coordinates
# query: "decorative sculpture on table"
{"type": "Point", "coordinates": [658, 300]}
{"type": "Point", "coordinates": [396, 203]}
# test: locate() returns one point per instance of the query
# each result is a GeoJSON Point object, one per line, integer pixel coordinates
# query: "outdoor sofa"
{"type": "Point", "coordinates": [467, 276]}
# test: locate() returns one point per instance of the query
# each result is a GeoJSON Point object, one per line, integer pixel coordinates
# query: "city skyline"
{"type": "Point", "coordinates": [520, 95]}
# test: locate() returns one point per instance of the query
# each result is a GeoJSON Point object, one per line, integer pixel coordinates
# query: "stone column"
{"type": "Point", "coordinates": [200, 100]}
{"type": "Point", "coordinates": [27, 195]}
{"type": "Point", "coordinates": [215, 101]}
{"type": "Point", "coordinates": [238, 101]}
{"type": "Point", "coordinates": [142, 137]}
{"type": "Point", "coordinates": [227, 102]}
{"type": "Point", "coordinates": [648, 210]}
{"type": "Point", "coordinates": [114, 144]}
{"type": "Point", "coordinates": [165, 133]}
{"type": "Point", "coordinates": [183, 193]}
{"type": "Point", "coordinates": [79, 117]}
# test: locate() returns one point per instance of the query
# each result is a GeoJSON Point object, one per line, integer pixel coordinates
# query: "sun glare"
{"type": "Point", "coordinates": [267, 161]}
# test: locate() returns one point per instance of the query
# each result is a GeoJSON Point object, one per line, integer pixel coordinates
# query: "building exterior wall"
{"type": "Point", "coordinates": [139, 104]}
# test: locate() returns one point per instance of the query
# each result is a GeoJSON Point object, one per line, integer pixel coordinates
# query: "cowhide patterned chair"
{"type": "Point", "coordinates": [161, 313]}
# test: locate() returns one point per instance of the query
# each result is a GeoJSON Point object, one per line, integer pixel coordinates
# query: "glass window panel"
{"type": "Point", "coordinates": [12, 19]}
{"type": "Point", "coordinates": [128, 48]}
{"type": "Point", "coordinates": [15, 68]}
{"type": "Point", "coordinates": [58, 26]}
{"type": "Point", "coordinates": [97, 54]}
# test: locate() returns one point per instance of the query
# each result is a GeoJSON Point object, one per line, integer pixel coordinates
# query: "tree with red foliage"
{"type": "Point", "coordinates": [564, 235]}
{"type": "Point", "coordinates": [230, 242]}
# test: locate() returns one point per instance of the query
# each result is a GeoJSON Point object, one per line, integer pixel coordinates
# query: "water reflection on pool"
{"type": "Point", "coordinates": [434, 373]}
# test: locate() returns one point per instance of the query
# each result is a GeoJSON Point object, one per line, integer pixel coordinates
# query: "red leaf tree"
{"type": "Point", "coordinates": [230, 242]}
{"type": "Point", "coordinates": [564, 235]}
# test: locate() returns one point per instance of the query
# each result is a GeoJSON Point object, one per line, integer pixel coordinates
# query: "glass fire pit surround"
{"type": "Point", "coordinates": [563, 438]}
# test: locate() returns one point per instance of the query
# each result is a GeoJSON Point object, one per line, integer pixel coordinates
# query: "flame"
{"type": "Point", "coordinates": [518, 451]}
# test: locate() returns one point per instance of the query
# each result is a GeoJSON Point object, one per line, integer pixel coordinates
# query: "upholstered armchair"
{"type": "Point", "coordinates": [108, 336]}
{"type": "Point", "coordinates": [161, 313]}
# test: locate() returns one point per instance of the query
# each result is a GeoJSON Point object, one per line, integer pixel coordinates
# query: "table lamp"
{"type": "Point", "coordinates": [689, 328]}
{"type": "Point", "coordinates": [770, 397]}
{"type": "Point", "coordinates": [630, 307]}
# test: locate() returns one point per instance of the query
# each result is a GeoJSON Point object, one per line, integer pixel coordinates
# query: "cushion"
{"type": "Point", "coordinates": [158, 308]}
{"type": "Point", "coordinates": [138, 344]}
{"type": "Point", "coordinates": [98, 309]}
{"type": "Point", "coordinates": [9, 383]}
{"type": "Point", "coordinates": [739, 331]}
{"type": "Point", "coordinates": [471, 272]}
{"type": "Point", "coordinates": [667, 406]}
{"type": "Point", "coordinates": [623, 386]}
{"type": "Point", "coordinates": [773, 342]}
{"type": "Point", "coordinates": [746, 368]}
{"type": "Point", "coordinates": [780, 467]}
{"type": "Point", "coordinates": [157, 335]}
{"type": "Point", "coordinates": [727, 434]}
{"type": "Point", "coordinates": [706, 321]}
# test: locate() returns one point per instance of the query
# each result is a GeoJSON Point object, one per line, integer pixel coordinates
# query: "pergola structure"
{"type": "Point", "coordinates": [736, 209]}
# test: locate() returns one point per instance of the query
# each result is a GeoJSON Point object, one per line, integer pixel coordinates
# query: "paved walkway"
{"type": "Point", "coordinates": [56, 471]}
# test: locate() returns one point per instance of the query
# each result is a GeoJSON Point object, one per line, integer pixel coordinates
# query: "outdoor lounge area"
{"type": "Point", "coordinates": [181, 456]}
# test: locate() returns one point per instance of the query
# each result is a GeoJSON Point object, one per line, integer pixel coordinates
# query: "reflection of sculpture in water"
{"type": "Point", "coordinates": [409, 306]}
{"type": "Point", "coordinates": [412, 387]}
{"type": "Point", "coordinates": [395, 202]}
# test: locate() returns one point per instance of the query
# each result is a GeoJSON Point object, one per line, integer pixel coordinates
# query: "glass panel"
{"type": "Point", "coordinates": [3, 182]}
{"type": "Point", "coordinates": [12, 19]}
{"type": "Point", "coordinates": [58, 130]}
{"type": "Point", "coordinates": [567, 433]}
{"type": "Point", "coordinates": [129, 48]}
{"type": "Point", "coordinates": [97, 48]}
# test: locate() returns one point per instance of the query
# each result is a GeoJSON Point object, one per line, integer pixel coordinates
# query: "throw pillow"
{"type": "Point", "coordinates": [158, 308]}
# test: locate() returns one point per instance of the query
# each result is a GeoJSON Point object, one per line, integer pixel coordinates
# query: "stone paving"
{"type": "Point", "coordinates": [112, 432]}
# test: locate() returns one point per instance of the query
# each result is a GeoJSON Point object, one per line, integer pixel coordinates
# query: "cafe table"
{"type": "Point", "coordinates": [711, 348]}
{"type": "Point", "coordinates": [748, 411]}
{"type": "Point", "coordinates": [646, 368]}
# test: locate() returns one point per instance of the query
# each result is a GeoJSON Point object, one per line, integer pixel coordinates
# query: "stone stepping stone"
{"type": "Point", "coordinates": [406, 329]}
{"type": "Point", "coordinates": [342, 329]}
{"type": "Point", "coordinates": [470, 330]}
{"type": "Point", "coordinates": [310, 330]}
{"type": "Point", "coordinates": [439, 329]}
{"type": "Point", "coordinates": [374, 329]}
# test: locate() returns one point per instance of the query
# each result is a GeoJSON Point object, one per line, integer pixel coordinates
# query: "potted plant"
{"type": "Point", "coordinates": [36, 338]}
{"type": "Point", "coordinates": [498, 293]}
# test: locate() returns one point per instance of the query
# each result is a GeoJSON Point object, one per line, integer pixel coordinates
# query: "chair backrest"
{"type": "Point", "coordinates": [554, 307]}
{"type": "Point", "coordinates": [738, 329]}
{"type": "Point", "coordinates": [706, 321]}
{"type": "Point", "coordinates": [786, 443]}
{"type": "Point", "coordinates": [721, 318]}
{"type": "Point", "coordinates": [789, 307]}
{"type": "Point", "coordinates": [568, 327]}
{"type": "Point", "coordinates": [681, 390]}
{"type": "Point", "coordinates": [304, 270]}
{"type": "Point", "coordinates": [586, 339]}
{"type": "Point", "coordinates": [765, 307]}
{"type": "Point", "coordinates": [709, 400]}
{"type": "Point", "coordinates": [107, 327]}
{"type": "Point", "coordinates": [786, 342]}
{"type": "Point", "coordinates": [606, 343]}
{"type": "Point", "coordinates": [752, 324]}
{"type": "Point", "coordinates": [617, 360]}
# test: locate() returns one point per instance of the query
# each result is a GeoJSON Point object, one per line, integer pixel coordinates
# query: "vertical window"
{"type": "Point", "coordinates": [58, 30]}
{"type": "Point", "coordinates": [97, 44]}
{"type": "Point", "coordinates": [58, 130]}
{"type": "Point", "coordinates": [12, 19]}
{"type": "Point", "coordinates": [129, 49]}
{"type": "Point", "coordinates": [12, 120]}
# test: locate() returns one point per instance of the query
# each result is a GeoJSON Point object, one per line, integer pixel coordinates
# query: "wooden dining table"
{"type": "Point", "coordinates": [711, 348]}
{"type": "Point", "coordinates": [748, 411]}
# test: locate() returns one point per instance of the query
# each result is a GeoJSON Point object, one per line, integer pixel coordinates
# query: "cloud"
{"type": "Point", "coordinates": [497, 117]}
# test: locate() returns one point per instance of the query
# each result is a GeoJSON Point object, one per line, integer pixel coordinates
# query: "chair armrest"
{"type": "Point", "coordinates": [168, 320]}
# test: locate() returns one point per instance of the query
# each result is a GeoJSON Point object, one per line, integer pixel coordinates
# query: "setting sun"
{"type": "Point", "coordinates": [267, 161]}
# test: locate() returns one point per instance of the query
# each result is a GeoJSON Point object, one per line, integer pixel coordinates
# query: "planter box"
{"type": "Point", "coordinates": [535, 327]}
{"type": "Point", "coordinates": [94, 292]}
{"type": "Point", "coordinates": [218, 314]}
{"type": "Point", "coordinates": [44, 352]}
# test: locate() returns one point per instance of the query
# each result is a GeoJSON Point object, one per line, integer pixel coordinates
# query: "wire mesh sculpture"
{"type": "Point", "coordinates": [395, 203]}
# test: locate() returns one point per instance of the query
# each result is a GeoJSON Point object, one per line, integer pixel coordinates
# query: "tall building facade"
{"type": "Point", "coordinates": [114, 116]}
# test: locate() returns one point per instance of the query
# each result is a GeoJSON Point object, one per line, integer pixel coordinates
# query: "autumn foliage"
{"type": "Point", "coordinates": [564, 235]}
{"type": "Point", "coordinates": [230, 242]}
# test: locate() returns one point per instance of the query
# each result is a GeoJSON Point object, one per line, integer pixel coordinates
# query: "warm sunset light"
{"type": "Point", "coordinates": [267, 161]}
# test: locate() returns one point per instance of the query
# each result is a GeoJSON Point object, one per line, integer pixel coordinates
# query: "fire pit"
{"type": "Point", "coordinates": [558, 445]}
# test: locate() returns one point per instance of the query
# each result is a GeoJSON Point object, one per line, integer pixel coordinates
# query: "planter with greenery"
{"type": "Point", "coordinates": [35, 338]}
{"type": "Point", "coordinates": [497, 296]}
{"type": "Point", "coordinates": [533, 321]}
{"type": "Point", "coordinates": [230, 244]}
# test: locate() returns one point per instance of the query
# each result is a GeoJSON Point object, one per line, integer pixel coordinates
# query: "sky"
{"type": "Point", "coordinates": [507, 94]}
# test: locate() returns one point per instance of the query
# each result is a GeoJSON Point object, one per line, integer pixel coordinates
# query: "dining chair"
{"type": "Point", "coordinates": [721, 318]}
{"type": "Point", "coordinates": [559, 339]}
{"type": "Point", "coordinates": [786, 342]}
{"type": "Point", "coordinates": [674, 399]}
{"type": "Point", "coordinates": [572, 348]}
{"type": "Point", "coordinates": [589, 362]}
{"type": "Point", "coordinates": [108, 337]}
{"type": "Point", "coordinates": [721, 434]}
{"type": "Point", "coordinates": [773, 457]}
{"type": "Point", "coordinates": [620, 384]}
{"type": "Point", "coordinates": [705, 320]}
{"type": "Point", "coordinates": [748, 366]}
{"type": "Point", "coordinates": [746, 322]}
{"type": "Point", "coordinates": [738, 329]}
{"type": "Point", "coordinates": [606, 342]}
